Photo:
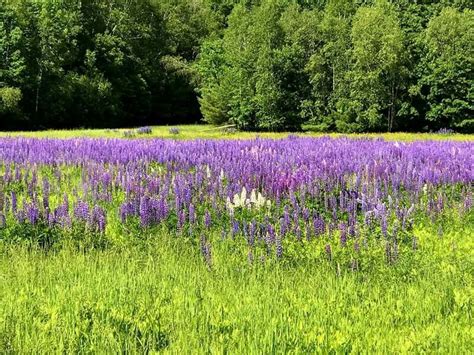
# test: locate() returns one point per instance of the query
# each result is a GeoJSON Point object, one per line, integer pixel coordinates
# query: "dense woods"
{"type": "Point", "coordinates": [339, 65]}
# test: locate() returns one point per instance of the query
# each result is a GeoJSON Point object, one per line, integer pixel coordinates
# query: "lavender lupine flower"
{"type": "Point", "coordinates": [81, 211]}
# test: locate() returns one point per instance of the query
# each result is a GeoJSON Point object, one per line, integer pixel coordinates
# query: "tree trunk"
{"type": "Point", "coordinates": [38, 85]}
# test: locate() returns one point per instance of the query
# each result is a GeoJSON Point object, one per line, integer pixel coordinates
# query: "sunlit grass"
{"type": "Point", "coordinates": [210, 132]}
{"type": "Point", "coordinates": [161, 296]}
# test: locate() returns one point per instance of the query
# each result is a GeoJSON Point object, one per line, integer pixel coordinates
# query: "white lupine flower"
{"type": "Point", "coordinates": [253, 196]}
{"type": "Point", "coordinates": [236, 200]}
{"type": "Point", "coordinates": [229, 204]}
{"type": "Point", "coordinates": [256, 200]}
{"type": "Point", "coordinates": [243, 195]}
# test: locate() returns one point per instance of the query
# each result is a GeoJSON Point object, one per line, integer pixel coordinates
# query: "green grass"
{"type": "Point", "coordinates": [210, 132]}
{"type": "Point", "coordinates": [161, 296]}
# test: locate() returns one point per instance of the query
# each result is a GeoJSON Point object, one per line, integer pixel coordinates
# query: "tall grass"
{"type": "Point", "coordinates": [158, 295]}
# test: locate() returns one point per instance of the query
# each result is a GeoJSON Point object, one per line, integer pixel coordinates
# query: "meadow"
{"type": "Point", "coordinates": [235, 242]}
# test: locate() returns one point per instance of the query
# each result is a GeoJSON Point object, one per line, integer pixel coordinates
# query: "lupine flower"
{"type": "Point", "coordinates": [279, 247]}
{"type": "Point", "coordinates": [97, 220]}
{"type": "Point", "coordinates": [207, 219]}
{"type": "Point", "coordinates": [250, 257]}
{"type": "Point", "coordinates": [235, 228]}
{"type": "Point", "coordinates": [327, 250]}
{"type": "Point", "coordinates": [343, 232]}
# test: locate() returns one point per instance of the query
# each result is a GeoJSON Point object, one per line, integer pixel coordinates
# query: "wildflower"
{"type": "Point", "coordinates": [327, 250]}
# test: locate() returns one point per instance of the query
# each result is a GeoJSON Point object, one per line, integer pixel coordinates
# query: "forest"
{"type": "Point", "coordinates": [261, 65]}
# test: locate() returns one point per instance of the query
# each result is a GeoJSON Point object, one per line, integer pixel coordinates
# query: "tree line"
{"type": "Point", "coordinates": [337, 65]}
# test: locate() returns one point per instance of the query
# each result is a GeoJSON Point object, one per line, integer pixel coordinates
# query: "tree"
{"type": "Point", "coordinates": [12, 63]}
{"type": "Point", "coordinates": [448, 82]}
{"type": "Point", "coordinates": [255, 69]}
{"type": "Point", "coordinates": [377, 73]}
{"type": "Point", "coordinates": [329, 63]}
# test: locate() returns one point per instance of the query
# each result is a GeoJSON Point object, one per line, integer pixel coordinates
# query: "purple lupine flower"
{"type": "Point", "coordinates": [191, 214]}
{"type": "Point", "coordinates": [440, 231]}
{"type": "Point", "coordinates": [354, 265]}
{"type": "Point", "coordinates": [235, 228]}
{"type": "Point", "coordinates": [14, 202]}
{"type": "Point", "coordinates": [270, 233]}
{"type": "Point", "coordinates": [81, 211]}
{"type": "Point", "coordinates": [207, 220]}
{"type": "Point", "coordinates": [250, 257]}
{"type": "Point", "coordinates": [388, 252]}
{"type": "Point", "coordinates": [395, 251]}
{"type": "Point", "coordinates": [283, 227]}
{"type": "Point", "coordinates": [181, 218]}
{"type": "Point", "coordinates": [306, 214]}
{"type": "Point", "coordinates": [32, 213]}
{"type": "Point", "coordinates": [286, 216]}
{"type": "Point", "coordinates": [145, 211]}
{"type": "Point", "coordinates": [356, 247]}
{"type": "Point", "coordinates": [123, 212]}
{"type": "Point", "coordinates": [202, 244]}
{"type": "Point", "coordinates": [206, 251]}
{"type": "Point", "coordinates": [252, 232]}
{"type": "Point", "coordinates": [46, 190]}
{"type": "Point", "coordinates": [343, 233]}
{"type": "Point", "coordinates": [97, 221]}
{"type": "Point", "coordinates": [327, 250]}
{"type": "Point", "coordinates": [279, 246]}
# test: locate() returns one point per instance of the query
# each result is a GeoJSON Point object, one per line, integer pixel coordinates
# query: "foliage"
{"type": "Point", "coordinates": [448, 81]}
{"type": "Point", "coordinates": [266, 65]}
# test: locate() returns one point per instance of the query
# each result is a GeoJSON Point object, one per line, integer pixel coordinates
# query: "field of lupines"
{"type": "Point", "coordinates": [296, 222]}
